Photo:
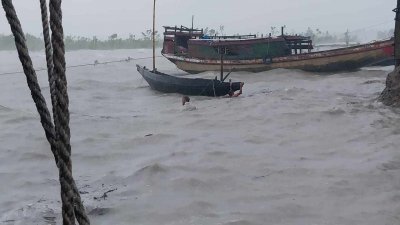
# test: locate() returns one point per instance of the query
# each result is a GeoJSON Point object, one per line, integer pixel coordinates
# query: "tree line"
{"type": "Point", "coordinates": [77, 42]}
{"type": "Point", "coordinates": [317, 35]}
{"type": "Point", "coordinates": [145, 39]}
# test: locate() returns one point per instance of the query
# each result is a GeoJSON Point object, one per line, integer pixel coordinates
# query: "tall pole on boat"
{"type": "Point", "coordinates": [397, 34]}
{"type": "Point", "coordinates": [154, 36]}
{"type": "Point", "coordinates": [192, 21]}
{"type": "Point", "coordinates": [222, 61]}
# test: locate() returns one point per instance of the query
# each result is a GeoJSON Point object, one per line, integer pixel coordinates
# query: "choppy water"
{"type": "Point", "coordinates": [295, 148]}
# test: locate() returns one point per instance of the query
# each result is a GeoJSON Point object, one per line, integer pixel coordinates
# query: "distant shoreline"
{"type": "Point", "coordinates": [82, 43]}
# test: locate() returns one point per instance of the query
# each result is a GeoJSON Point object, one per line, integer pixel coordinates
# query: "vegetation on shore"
{"type": "Point", "coordinates": [144, 41]}
{"type": "Point", "coordinates": [77, 42]}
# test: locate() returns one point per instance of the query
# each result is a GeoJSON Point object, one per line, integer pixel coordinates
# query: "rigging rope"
{"type": "Point", "coordinates": [61, 122]}
{"type": "Point", "coordinates": [71, 202]}
{"type": "Point", "coordinates": [129, 59]}
{"type": "Point", "coordinates": [59, 135]}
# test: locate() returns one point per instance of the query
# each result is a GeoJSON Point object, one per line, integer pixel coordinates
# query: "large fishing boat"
{"type": "Point", "coordinates": [193, 51]}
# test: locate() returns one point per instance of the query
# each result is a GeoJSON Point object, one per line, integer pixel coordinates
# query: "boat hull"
{"type": "Point", "coordinates": [187, 86]}
{"type": "Point", "coordinates": [345, 59]}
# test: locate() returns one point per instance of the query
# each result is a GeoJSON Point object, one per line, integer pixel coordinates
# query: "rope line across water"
{"type": "Point", "coordinates": [129, 59]}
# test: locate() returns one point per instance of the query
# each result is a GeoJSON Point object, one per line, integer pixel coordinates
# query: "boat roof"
{"type": "Point", "coordinates": [218, 42]}
{"type": "Point", "coordinates": [295, 37]}
{"type": "Point", "coordinates": [182, 31]}
{"type": "Point", "coordinates": [236, 39]}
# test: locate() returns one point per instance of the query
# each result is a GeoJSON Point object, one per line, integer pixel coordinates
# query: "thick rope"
{"type": "Point", "coordinates": [61, 120]}
{"type": "Point", "coordinates": [30, 73]}
{"type": "Point", "coordinates": [61, 148]}
{"type": "Point", "coordinates": [31, 77]}
{"type": "Point", "coordinates": [49, 56]}
{"type": "Point", "coordinates": [78, 206]}
{"type": "Point", "coordinates": [33, 85]}
{"type": "Point", "coordinates": [48, 50]}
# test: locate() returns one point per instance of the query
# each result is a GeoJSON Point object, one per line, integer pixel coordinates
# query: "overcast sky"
{"type": "Point", "coordinates": [105, 17]}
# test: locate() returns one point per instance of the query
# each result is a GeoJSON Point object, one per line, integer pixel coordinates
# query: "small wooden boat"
{"type": "Point", "coordinates": [187, 86]}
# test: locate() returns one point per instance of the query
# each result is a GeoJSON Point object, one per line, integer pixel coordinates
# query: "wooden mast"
{"type": "Point", "coordinates": [397, 35]}
{"type": "Point", "coordinates": [154, 35]}
{"type": "Point", "coordinates": [192, 21]}
{"type": "Point", "coordinates": [222, 61]}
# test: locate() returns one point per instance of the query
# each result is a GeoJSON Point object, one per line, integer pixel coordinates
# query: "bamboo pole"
{"type": "Point", "coordinates": [192, 21]}
{"type": "Point", "coordinates": [391, 95]}
{"type": "Point", "coordinates": [222, 63]}
{"type": "Point", "coordinates": [154, 36]}
{"type": "Point", "coordinates": [397, 35]}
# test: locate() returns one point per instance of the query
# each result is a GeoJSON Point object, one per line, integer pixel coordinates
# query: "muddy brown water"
{"type": "Point", "coordinates": [295, 148]}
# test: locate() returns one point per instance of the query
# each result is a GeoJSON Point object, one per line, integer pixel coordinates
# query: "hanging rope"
{"type": "Point", "coordinates": [48, 51]}
{"type": "Point", "coordinates": [79, 209]}
{"type": "Point", "coordinates": [72, 205]}
{"type": "Point", "coordinates": [49, 56]}
{"type": "Point", "coordinates": [48, 48]}
{"type": "Point", "coordinates": [58, 136]}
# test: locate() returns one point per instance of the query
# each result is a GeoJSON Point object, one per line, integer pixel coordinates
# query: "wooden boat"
{"type": "Point", "coordinates": [194, 52]}
{"type": "Point", "coordinates": [187, 86]}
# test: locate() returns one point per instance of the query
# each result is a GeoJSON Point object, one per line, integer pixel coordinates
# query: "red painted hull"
{"type": "Point", "coordinates": [343, 59]}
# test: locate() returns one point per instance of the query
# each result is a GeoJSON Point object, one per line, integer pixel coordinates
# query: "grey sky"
{"type": "Point", "coordinates": [104, 17]}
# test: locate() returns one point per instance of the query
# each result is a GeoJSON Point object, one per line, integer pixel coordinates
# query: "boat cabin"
{"type": "Point", "coordinates": [176, 39]}
{"type": "Point", "coordinates": [193, 43]}
{"type": "Point", "coordinates": [298, 43]}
